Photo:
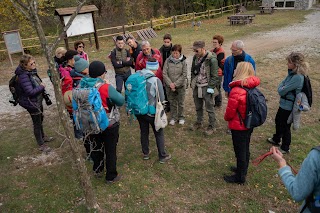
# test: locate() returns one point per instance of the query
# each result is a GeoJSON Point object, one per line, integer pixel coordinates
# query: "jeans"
{"type": "Point", "coordinates": [241, 143]}
{"type": "Point", "coordinates": [144, 122]}
{"type": "Point", "coordinates": [105, 143]}
{"type": "Point", "coordinates": [121, 79]}
{"type": "Point", "coordinates": [283, 130]}
{"type": "Point", "coordinates": [208, 100]}
{"type": "Point", "coordinates": [37, 120]}
{"type": "Point", "coordinates": [176, 99]}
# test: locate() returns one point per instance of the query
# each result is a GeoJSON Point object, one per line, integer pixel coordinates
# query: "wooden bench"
{"type": "Point", "coordinates": [241, 19]}
{"type": "Point", "coordinates": [267, 9]}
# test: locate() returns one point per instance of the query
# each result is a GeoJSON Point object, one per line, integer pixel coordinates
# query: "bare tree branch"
{"type": "Point", "coordinates": [73, 16]}
{"type": "Point", "coordinates": [22, 8]}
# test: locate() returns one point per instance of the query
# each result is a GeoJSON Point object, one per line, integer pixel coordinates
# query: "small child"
{"type": "Point", "coordinates": [237, 106]}
{"type": "Point", "coordinates": [79, 47]}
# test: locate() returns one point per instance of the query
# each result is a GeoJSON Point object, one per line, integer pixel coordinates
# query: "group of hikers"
{"type": "Point", "coordinates": [165, 73]}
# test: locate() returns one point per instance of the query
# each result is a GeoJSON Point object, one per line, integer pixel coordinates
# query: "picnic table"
{"type": "Point", "coordinates": [241, 19]}
{"type": "Point", "coordinates": [267, 9]}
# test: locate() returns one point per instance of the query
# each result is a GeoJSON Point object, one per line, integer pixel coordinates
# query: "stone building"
{"type": "Point", "coordinates": [290, 4]}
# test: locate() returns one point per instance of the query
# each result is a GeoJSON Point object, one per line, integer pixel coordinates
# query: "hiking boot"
{"type": "Point", "coordinates": [233, 179]}
{"type": "Point", "coordinates": [172, 122]}
{"type": "Point", "coordinates": [210, 130]}
{"type": "Point", "coordinates": [47, 139]}
{"type": "Point", "coordinates": [195, 126]}
{"type": "Point", "coordinates": [270, 140]}
{"type": "Point", "coordinates": [165, 159]}
{"type": "Point", "coordinates": [116, 179]}
{"type": "Point", "coordinates": [283, 151]}
{"type": "Point", "coordinates": [182, 121]}
{"type": "Point", "coordinates": [233, 168]}
{"type": "Point", "coordinates": [44, 148]}
{"type": "Point", "coordinates": [146, 156]}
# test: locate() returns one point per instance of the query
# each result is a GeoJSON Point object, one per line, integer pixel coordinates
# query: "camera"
{"type": "Point", "coordinates": [13, 101]}
{"type": "Point", "coordinates": [46, 98]}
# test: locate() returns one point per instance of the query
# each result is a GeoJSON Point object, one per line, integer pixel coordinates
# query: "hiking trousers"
{"type": "Point", "coordinates": [283, 129]}
{"type": "Point", "coordinates": [37, 120]}
{"type": "Point", "coordinates": [104, 151]}
{"type": "Point", "coordinates": [121, 79]}
{"type": "Point", "coordinates": [176, 99]}
{"type": "Point", "coordinates": [145, 121]}
{"type": "Point", "coordinates": [206, 99]}
{"type": "Point", "coordinates": [241, 143]}
{"type": "Point", "coordinates": [218, 98]}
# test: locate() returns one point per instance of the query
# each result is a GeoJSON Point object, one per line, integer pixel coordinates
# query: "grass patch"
{"type": "Point", "coordinates": [192, 180]}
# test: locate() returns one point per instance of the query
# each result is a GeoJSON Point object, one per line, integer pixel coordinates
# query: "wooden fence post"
{"type": "Point", "coordinates": [123, 30]}
{"type": "Point", "coordinates": [208, 11]}
{"type": "Point", "coordinates": [151, 23]}
{"type": "Point", "coordinates": [174, 22]}
{"type": "Point", "coordinates": [221, 11]}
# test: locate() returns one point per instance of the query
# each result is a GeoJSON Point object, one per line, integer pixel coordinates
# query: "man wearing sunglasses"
{"type": "Point", "coordinates": [204, 81]}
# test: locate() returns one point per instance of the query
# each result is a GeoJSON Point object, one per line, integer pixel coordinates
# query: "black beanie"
{"type": "Point", "coordinates": [96, 69]}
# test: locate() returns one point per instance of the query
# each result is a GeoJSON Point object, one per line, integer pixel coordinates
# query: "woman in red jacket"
{"type": "Point", "coordinates": [237, 104]}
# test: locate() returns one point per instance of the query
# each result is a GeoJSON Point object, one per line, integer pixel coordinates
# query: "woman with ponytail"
{"type": "Point", "coordinates": [288, 89]}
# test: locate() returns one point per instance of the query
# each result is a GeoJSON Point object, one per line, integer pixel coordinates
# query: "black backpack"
{"type": "Point", "coordinates": [257, 109]}
{"type": "Point", "coordinates": [307, 89]}
{"type": "Point", "coordinates": [14, 89]}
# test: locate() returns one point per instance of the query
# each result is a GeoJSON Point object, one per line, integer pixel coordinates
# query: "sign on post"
{"type": "Point", "coordinates": [13, 43]}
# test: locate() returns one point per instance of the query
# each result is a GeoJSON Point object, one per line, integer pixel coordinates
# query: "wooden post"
{"type": "Point", "coordinates": [123, 30]}
{"type": "Point", "coordinates": [174, 22]}
{"type": "Point", "coordinates": [96, 39]}
{"type": "Point", "coordinates": [65, 36]}
{"type": "Point", "coordinates": [193, 17]}
{"type": "Point", "coordinates": [221, 11]}
{"type": "Point", "coordinates": [151, 26]}
{"type": "Point", "coordinates": [208, 11]}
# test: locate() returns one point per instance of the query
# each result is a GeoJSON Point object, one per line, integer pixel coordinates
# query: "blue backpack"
{"type": "Point", "coordinates": [257, 109]}
{"type": "Point", "coordinates": [136, 94]}
{"type": "Point", "coordinates": [88, 113]}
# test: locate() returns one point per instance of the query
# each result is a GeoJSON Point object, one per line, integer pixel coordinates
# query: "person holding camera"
{"type": "Point", "coordinates": [31, 92]}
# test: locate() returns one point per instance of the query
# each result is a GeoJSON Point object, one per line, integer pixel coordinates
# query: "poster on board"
{"type": "Point", "coordinates": [82, 24]}
{"type": "Point", "coordinates": [12, 41]}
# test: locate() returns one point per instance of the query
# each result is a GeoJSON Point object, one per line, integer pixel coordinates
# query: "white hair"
{"type": "Point", "coordinates": [239, 44]}
{"type": "Point", "coordinates": [145, 43]}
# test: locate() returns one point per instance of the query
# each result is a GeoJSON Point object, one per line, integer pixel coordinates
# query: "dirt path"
{"type": "Point", "coordinates": [303, 37]}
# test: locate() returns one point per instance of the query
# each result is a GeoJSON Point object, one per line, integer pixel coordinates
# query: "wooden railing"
{"type": "Point", "coordinates": [133, 28]}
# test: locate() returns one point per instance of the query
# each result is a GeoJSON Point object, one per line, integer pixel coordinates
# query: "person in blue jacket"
{"type": "Point", "coordinates": [288, 89]}
{"type": "Point", "coordinates": [230, 64]}
{"type": "Point", "coordinates": [306, 184]}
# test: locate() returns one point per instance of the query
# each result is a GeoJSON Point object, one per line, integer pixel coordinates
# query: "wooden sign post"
{"type": "Point", "coordinates": [13, 42]}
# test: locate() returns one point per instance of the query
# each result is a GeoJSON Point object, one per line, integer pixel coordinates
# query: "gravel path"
{"type": "Point", "coordinates": [303, 37]}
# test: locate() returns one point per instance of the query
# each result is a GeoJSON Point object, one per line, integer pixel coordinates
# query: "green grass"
{"type": "Point", "coordinates": [191, 181]}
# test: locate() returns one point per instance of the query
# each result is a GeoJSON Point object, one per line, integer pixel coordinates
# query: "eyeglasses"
{"type": "Point", "coordinates": [80, 46]}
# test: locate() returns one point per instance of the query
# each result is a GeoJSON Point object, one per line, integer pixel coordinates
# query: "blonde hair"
{"type": "Point", "coordinates": [243, 71]}
{"type": "Point", "coordinates": [298, 60]}
{"type": "Point", "coordinates": [61, 50]}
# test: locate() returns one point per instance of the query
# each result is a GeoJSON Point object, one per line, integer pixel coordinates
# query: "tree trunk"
{"type": "Point", "coordinates": [32, 15]}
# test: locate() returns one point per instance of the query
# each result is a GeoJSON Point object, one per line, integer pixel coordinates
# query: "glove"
{"type": "Point", "coordinates": [210, 91]}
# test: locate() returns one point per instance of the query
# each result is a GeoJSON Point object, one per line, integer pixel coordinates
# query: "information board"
{"type": "Point", "coordinates": [13, 41]}
{"type": "Point", "coordinates": [82, 24]}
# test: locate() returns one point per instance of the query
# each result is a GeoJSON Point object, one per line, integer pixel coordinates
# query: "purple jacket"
{"type": "Point", "coordinates": [30, 95]}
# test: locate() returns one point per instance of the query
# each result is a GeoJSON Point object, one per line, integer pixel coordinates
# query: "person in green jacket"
{"type": "Point", "coordinates": [174, 76]}
{"type": "Point", "coordinates": [204, 81]}
{"type": "Point", "coordinates": [288, 89]}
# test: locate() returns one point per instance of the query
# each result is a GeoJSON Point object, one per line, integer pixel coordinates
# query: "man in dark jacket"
{"type": "Point", "coordinates": [166, 47]}
{"type": "Point", "coordinates": [121, 61]}
{"type": "Point", "coordinates": [135, 49]}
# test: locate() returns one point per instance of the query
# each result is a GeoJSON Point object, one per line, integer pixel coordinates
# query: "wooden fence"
{"type": "Point", "coordinates": [133, 28]}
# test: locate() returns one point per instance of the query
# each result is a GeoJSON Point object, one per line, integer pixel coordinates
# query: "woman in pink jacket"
{"type": "Point", "coordinates": [237, 105]}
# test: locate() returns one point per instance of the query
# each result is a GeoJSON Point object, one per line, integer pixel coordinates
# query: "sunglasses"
{"type": "Point", "coordinates": [80, 46]}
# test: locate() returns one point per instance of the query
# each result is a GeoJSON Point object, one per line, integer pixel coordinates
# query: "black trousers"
{"type": "Point", "coordinates": [105, 144]}
{"type": "Point", "coordinates": [37, 120]}
{"type": "Point", "coordinates": [241, 143]}
{"type": "Point", "coordinates": [283, 130]}
{"type": "Point", "coordinates": [145, 121]}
